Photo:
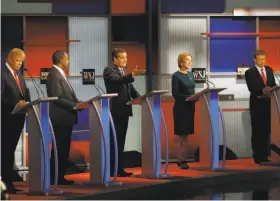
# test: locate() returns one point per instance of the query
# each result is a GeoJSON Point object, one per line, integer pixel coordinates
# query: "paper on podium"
{"type": "Point", "coordinates": [39, 100]}
{"type": "Point", "coordinates": [267, 94]}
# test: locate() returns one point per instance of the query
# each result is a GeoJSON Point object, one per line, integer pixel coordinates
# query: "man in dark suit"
{"type": "Point", "coordinates": [14, 93]}
{"type": "Point", "coordinates": [118, 80]}
{"type": "Point", "coordinates": [63, 113]}
{"type": "Point", "coordinates": [259, 80]}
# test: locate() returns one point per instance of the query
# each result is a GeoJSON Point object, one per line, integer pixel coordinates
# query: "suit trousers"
{"type": "Point", "coordinates": [11, 129]}
{"type": "Point", "coordinates": [63, 134]}
{"type": "Point", "coordinates": [260, 122]}
{"type": "Point", "coordinates": [121, 124]}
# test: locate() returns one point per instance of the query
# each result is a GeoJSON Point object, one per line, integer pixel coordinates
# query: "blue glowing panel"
{"type": "Point", "coordinates": [90, 7]}
{"type": "Point", "coordinates": [226, 52]}
{"type": "Point", "coordinates": [192, 6]}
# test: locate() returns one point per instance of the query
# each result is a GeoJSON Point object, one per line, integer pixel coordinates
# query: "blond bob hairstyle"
{"type": "Point", "coordinates": [181, 57]}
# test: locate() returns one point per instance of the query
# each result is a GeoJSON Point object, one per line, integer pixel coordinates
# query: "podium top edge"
{"type": "Point", "coordinates": [35, 102]}
{"type": "Point", "coordinates": [275, 87]}
{"type": "Point", "coordinates": [45, 99]}
{"type": "Point", "coordinates": [196, 95]}
{"type": "Point", "coordinates": [101, 96]}
{"type": "Point", "coordinates": [157, 92]}
{"type": "Point", "coordinates": [109, 95]}
{"type": "Point", "coordinates": [216, 89]}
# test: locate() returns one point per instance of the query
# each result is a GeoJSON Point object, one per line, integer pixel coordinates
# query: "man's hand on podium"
{"type": "Point", "coordinates": [265, 91]}
{"type": "Point", "coordinates": [80, 105]}
{"type": "Point", "coordinates": [138, 71]}
{"type": "Point", "coordinates": [21, 103]}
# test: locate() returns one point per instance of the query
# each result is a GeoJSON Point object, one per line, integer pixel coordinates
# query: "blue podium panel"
{"type": "Point", "coordinates": [44, 110]}
{"type": "Point", "coordinates": [214, 111]}
{"type": "Point", "coordinates": [100, 122]}
{"type": "Point", "coordinates": [157, 142]}
{"type": "Point", "coordinates": [106, 127]}
{"type": "Point", "coordinates": [151, 134]}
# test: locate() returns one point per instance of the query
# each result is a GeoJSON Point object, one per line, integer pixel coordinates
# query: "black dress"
{"type": "Point", "coordinates": [183, 112]}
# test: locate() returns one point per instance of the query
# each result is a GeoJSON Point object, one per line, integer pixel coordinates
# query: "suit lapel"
{"type": "Point", "coordinates": [117, 70]}
{"type": "Point", "coordinates": [67, 84]}
{"type": "Point", "coordinates": [21, 81]}
{"type": "Point", "coordinates": [258, 75]}
{"type": "Point", "coordinates": [267, 75]}
{"type": "Point", "coordinates": [13, 81]}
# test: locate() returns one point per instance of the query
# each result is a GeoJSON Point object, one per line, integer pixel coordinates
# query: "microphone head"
{"type": "Point", "coordinates": [25, 69]}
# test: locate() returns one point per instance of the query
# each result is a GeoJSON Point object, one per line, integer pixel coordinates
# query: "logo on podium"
{"type": "Point", "coordinates": [44, 72]}
{"type": "Point", "coordinates": [199, 75]}
{"type": "Point", "coordinates": [241, 69]}
{"type": "Point", "coordinates": [88, 76]}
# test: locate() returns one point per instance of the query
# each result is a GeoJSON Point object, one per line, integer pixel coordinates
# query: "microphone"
{"type": "Point", "coordinates": [25, 69]}
{"type": "Point", "coordinates": [97, 90]}
{"type": "Point", "coordinates": [34, 83]}
{"type": "Point", "coordinates": [208, 81]}
{"type": "Point", "coordinates": [150, 84]}
{"type": "Point", "coordinates": [99, 87]}
{"type": "Point", "coordinates": [96, 86]}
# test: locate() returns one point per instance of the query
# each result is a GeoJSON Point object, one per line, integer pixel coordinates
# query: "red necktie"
{"type": "Point", "coordinates": [17, 81]}
{"type": "Point", "coordinates": [122, 71]}
{"type": "Point", "coordinates": [263, 76]}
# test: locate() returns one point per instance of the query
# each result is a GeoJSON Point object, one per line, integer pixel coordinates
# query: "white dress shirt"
{"type": "Point", "coordinates": [64, 76]}
{"type": "Point", "coordinates": [11, 70]}
{"type": "Point", "coordinates": [260, 70]}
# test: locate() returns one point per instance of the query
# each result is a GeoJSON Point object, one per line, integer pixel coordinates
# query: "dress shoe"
{"type": "Point", "coordinates": [183, 165]}
{"type": "Point", "coordinates": [14, 191]}
{"type": "Point", "coordinates": [11, 189]}
{"type": "Point", "coordinates": [124, 174]}
{"type": "Point", "coordinates": [63, 182]}
{"type": "Point", "coordinates": [258, 161]}
{"type": "Point", "coordinates": [121, 174]}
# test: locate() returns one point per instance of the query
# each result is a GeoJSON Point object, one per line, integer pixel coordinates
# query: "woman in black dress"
{"type": "Point", "coordinates": [183, 112]}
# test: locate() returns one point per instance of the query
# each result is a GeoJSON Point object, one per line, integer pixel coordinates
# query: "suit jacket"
{"type": "Point", "coordinates": [115, 82]}
{"type": "Point", "coordinates": [255, 85]}
{"type": "Point", "coordinates": [61, 111]}
{"type": "Point", "coordinates": [10, 93]}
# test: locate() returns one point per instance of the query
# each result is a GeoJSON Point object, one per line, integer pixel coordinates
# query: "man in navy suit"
{"type": "Point", "coordinates": [118, 80]}
{"type": "Point", "coordinates": [260, 79]}
{"type": "Point", "coordinates": [63, 113]}
{"type": "Point", "coordinates": [14, 93]}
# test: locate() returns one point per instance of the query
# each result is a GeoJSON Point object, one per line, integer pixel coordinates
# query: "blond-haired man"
{"type": "Point", "coordinates": [14, 93]}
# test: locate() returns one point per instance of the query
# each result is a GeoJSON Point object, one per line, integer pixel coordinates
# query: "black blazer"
{"type": "Point", "coordinates": [255, 83]}
{"type": "Point", "coordinates": [61, 111]}
{"type": "Point", "coordinates": [122, 85]}
{"type": "Point", "coordinates": [10, 93]}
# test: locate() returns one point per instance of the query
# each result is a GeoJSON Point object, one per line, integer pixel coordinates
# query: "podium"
{"type": "Point", "coordinates": [151, 135]}
{"type": "Point", "coordinates": [100, 120]}
{"type": "Point", "coordinates": [210, 112]}
{"type": "Point", "coordinates": [274, 95]}
{"type": "Point", "coordinates": [38, 149]}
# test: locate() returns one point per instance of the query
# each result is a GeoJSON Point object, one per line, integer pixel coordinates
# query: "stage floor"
{"type": "Point", "coordinates": [242, 170]}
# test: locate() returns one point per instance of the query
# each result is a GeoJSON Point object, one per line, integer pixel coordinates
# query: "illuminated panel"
{"type": "Point", "coordinates": [271, 45]}
{"type": "Point", "coordinates": [44, 35]}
